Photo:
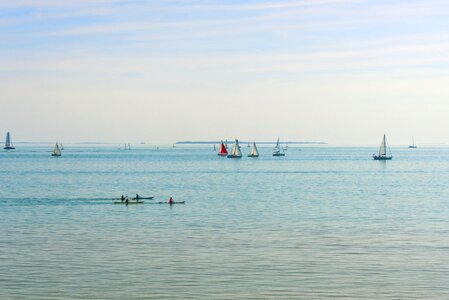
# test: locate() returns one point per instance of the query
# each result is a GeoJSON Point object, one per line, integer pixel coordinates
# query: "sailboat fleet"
{"type": "Point", "coordinates": [384, 152]}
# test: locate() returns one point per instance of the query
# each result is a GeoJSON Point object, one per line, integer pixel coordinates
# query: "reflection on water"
{"type": "Point", "coordinates": [318, 223]}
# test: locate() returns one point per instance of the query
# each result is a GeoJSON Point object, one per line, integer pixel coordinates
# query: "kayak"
{"type": "Point", "coordinates": [179, 202]}
{"type": "Point", "coordinates": [129, 202]}
{"type": "Point", "coordinates": [134, 198]}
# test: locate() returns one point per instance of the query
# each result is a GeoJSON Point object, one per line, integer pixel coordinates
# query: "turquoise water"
{"type": "Point", "coordinates": [320, 223]}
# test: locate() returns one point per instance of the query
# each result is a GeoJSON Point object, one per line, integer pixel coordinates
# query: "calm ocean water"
{"type": "Point", "coordinates": [320, 223]}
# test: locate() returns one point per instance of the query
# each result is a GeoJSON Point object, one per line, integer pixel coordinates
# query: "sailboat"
{"type": "Point", "coordinates": [62, 147]}
{"type": "Point", "coordinates": [254, 152]}
{"type": "Point", "coordinates": [278, 151]}
{"type": "Point", "coordinates": [223, 150]}
{"type": "Point", "coordinates": [413, 144]}
{"type": "Point", "coordinates": [8, 143]}
{"type": "Point", "coordinates": [235, 152]}
{"type": "Point", "coordinates": [129, 146]}
{"type": "Point", "coordinates": [56, 151]}
{"type": "Point", "coordinates": [382, 155]}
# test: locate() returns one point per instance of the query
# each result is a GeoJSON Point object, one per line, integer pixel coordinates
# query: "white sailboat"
{"type": "Point", "coordinates": [8, 143]}
{"type": "Point", "coordinates": [61, 147]}
{"type": "Point", "coordinates": [254, 152]}
{"type": "Point", "coordinates": [235, 152]}
{"type": "Point", "coordinates": [382, 155]}
{"type": "Point", "coordinates": [56, 151]}
{"type": "Point", "coordinates": [412, 146]}
{"type": "Point", "coordinates": [278, 151]}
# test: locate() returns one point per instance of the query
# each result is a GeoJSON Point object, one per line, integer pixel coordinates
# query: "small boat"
{"type": "Point", "coordinates": [278, 151]}
{"type": "Point", "coordinates": [413, 146]}
{"type": "Point", "coordinates": [174, 202]}
{"type": "Point", "coordinates": [62, 147]}
{"type": "Point", "coordinates": [235, 152]}
{"type": "Point", "coordinates": [143, 198]}
{"type": "Point", "coordinates": [382, 155]}
{"type": "Point", "coordinates": [56, 151]}
{"type": "Point", "coordinates": [223, 150]}
{"type": "Point", "coordinates": [8, 143]}
{"type": "Point", "coordinates": [129, 202]}
{"type": "Point", "coordinates": [254, 152]}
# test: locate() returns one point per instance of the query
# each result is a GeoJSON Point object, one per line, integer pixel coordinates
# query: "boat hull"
{"type": "Point", "coordinates": [253, 155]}
{"type": "Point", "coordinates": [129, 202]}
{"type": "Point", "coordinates": [56, 154]}
{"type": "Point", "coordinates": [234, 156]}
{"type": "Point", "coordinates": [179, 202]}
{"type": "Point", "coordinates": [375, 157]}
{"type": "Point", "coordinates": [278, 154]}
{"type": "Point", "coordinates": [9, 148]}
{"type": "Point", "coordinates": [222, 154]}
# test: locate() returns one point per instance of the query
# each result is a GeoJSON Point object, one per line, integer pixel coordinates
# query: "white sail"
{"type": "Point", "coordinates": [56, 150]}
{"type": "Point", "coordinates": [254, 151]}
{"type": "Point", "coordinates": [236, 149]}
{"type": "Point", "coordinates": [383, 147]}
{"type": "Point", "coordinates": [277, 151]}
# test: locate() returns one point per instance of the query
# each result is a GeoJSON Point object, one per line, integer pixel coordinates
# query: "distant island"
{"type": "Point", "coordinates": [245, 142]}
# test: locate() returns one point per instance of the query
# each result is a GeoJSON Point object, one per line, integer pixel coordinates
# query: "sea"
{"type": "Point", "coordinates": [320, 223]}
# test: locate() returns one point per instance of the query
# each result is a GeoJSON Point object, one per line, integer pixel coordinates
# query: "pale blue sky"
{"type": "Point", "coordinates": [161, 71]}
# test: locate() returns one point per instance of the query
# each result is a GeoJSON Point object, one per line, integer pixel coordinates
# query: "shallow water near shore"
{"type": "Point", "coordinates": [319, 223]}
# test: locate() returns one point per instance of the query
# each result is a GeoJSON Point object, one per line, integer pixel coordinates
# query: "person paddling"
{"type": "Point", "coordinates": [137, 196]}
{"type": "Point", "coordinates": [170, 201]}
{"type": "Point", "coordinates": [122, 198]}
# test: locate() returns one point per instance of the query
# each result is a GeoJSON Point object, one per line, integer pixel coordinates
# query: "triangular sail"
{"type": "Point", "coordinates": [223, 150]}
{"type": "Point", "coordinates": [277, 144]}
{"type": "Point", "coordinates": [383, 147]}
{"type": "Point", "coordinates": [236, 149]}
{"type": "Point", "coordinates": [277, 151]}
{"type": "Point", "coordinates": [56, 150]}
{"type": "Point", "coordinates": [8, 140]}
{"type": "Point", "coordinates": [254, 151]}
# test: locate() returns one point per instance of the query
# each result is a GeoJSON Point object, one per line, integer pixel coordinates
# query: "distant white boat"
{"type": "Point", "coordinates": [56, 151]}
{"type": "Point", "coordinates": [235, 152]}
{"type": "Point", "coordinates": [412, 146]}
{"type": "Point", "coordinates": [278, 151]}
{"type": "Point", "coordinates": [254, 152]}
{"type": "Point", "coordinates": [382, 155]}
{"type": "Point", "coordinates": [8, 143]}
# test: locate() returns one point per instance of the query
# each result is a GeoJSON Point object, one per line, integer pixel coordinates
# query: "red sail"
{"type": "Point", "coordinates": [223, 150]}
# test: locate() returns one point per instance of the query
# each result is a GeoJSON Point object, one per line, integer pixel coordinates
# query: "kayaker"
{"type": "Point", "coordinates": [122, 198]}
{"type": "Point", "coordinates": [170, 201]}
{"type": "Point", "coordinates": [127, 200]}
{"type": "Point", "coordinates": [137, 196]}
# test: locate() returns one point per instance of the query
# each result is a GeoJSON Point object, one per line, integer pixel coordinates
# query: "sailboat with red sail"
{"type": "Point", "coordinates": [223, 151]}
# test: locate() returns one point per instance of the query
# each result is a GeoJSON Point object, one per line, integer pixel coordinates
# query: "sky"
{"type": "Point", "coordinates": [343, 72]}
